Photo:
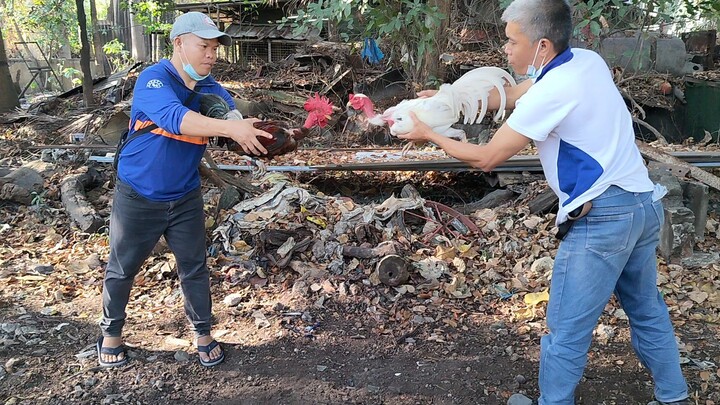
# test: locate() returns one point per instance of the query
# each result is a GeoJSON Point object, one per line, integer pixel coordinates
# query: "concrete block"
{"type": "Point", "coordinates": [643, 53]}
{"type": "Point", "coordinates": [674, 196]}
{"type": "Point", "coordinates": [696, 197]}
{"type": "Point", "coordinates": [665, 246]}
{"type": "Point", "coordinates": [700, 260]}
{"type": "Point", "coordinates": [677, 234]}
{"type": "Point", "coordinates": [632, 53]}
{"type": "Point", "coordinates": [670, 56]}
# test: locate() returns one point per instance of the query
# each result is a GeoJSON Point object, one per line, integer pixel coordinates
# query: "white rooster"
{"type": "Point", "coordinates": [443, 109]}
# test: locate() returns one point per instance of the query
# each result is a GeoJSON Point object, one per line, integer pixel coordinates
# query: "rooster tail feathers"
{"type": "Point", "coordinates": [484, 109]}
{"type": "Point", "coordinates": [475, 86]}
{"type": "Point", "coordinates": [503, 100]}
{"type": "Point", "coordinates": [448, 94]}
{"type": "Point", "coordinates": [213, 106]}
{"type": "Point", "coordinates": [468, 97]}
{"type": "Point", "coordinates": [469, 102]}
{"type": "Point", "coordinates": [499, 83]}
{"type": "Point", "coordinates": [482, 73]}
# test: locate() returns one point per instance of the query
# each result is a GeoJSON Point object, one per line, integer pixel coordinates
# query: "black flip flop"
{"type": "Point", "coordinates": [207, 349]}
{"type": "Point", "coordinates": [113, 351]}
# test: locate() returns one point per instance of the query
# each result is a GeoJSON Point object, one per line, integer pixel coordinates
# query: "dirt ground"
{"type": "Point", "coordinates": [340, 339]}
{"type": "Point", "coordinates": [344, 362]}
{"type": "Point", "coordinates": [285, 347]}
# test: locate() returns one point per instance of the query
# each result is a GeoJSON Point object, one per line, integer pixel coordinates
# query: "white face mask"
{"type": "Point", "coordinates": [533, 72]}
{"type": "Point", "coordinates": [189, 69]}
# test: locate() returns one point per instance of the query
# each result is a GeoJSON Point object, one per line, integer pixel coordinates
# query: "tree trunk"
{"type": "Point", "coordinates": [8, 97]}
{"type": "Point", "coordinates": [100, 57]}
{"type": "Point", "coordinates": [139, 51]}
{"type": "Point", "coordinates": [65, 51]}
{"type": "Point", "coordinates": [26, 53]}
{"type": "Point", "coordinates": [119, 16]}
{"type": "Point", "coordinates": [433, 67]}
{"type": "Point", "coordinates": [85, 55]}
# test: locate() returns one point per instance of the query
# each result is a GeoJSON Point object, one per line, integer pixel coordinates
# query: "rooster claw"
{"type": "Point", "coordinates": [406, 149]}
{"type": "Point", "coordinates": [259, 167]}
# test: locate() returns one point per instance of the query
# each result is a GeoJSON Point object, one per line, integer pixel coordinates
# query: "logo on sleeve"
{"type": "Point", "coordinates": [154, 84]}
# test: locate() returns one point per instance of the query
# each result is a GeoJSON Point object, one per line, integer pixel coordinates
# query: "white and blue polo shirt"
{"type": "Point", "coordinates": [582, 129]}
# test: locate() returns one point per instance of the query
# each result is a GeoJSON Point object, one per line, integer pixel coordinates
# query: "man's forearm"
{"type": "Point", "coordinates": [474, 155]}
{"type": "Point", "coordinates": [241, 131]}
{"type": "Point", "coordinates": [505, 143]}
{"type": "Point", "coordinates": [196, 124]}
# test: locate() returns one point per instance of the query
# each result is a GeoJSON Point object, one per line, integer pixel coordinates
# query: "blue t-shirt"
{"type": "Point", "coordinates": [162, 165]}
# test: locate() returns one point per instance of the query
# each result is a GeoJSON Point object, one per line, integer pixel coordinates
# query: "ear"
{"type": "Point", "coordinates": [546, 47]}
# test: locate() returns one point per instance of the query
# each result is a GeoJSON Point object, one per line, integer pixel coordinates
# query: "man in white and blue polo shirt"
{"type": "Point", "coordinates": [609, 212]}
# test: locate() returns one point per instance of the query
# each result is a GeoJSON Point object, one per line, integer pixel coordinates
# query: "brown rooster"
{"type": "Point", "coordinates": [285, 139]}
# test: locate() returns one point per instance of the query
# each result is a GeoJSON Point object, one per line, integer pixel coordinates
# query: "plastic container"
{"type": "Point", "coordinates": [703, 108]}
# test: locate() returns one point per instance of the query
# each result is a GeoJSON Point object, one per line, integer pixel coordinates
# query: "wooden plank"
{"type": "Point", "coordinates": [696, 173]}
{"type": "Point", "coordinates": [284, 97]}
{"type": "Point", "coordinates": [332, 84]}
{"type": "Point", "coordinates": [544, 202]}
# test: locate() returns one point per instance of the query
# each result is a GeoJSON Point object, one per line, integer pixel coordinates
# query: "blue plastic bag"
{"type": "Point", "coordinates": [371, 51]}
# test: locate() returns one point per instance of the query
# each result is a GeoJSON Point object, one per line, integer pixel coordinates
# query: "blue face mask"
{"type": "Point", "coordinates": [532, 71]}
{"type": "Point", "coordinates": [190, 70]}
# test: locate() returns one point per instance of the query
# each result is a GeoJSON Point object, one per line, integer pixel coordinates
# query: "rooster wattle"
{"type": "Point", "coordinates": [443, 109]}
{"type": "Point", "coordinates": [285, 139]}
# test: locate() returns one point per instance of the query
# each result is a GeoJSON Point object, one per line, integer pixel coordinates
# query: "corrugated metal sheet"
{"type": "Point", "coordinates": [261, 32]}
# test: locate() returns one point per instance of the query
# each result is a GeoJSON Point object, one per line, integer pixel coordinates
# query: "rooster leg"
{"type": "Point", "coordinates": [457, 134]}
{"type": "Point", "coordinates": [259, 167]}
{"type": "Point", "coordinates": [406, 148]}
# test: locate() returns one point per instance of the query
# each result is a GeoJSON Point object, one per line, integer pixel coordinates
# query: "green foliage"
{"type": "Point", "coordinates": [148, 13]}
{"type": "Point", "coordinates": [595, 19]}
{"type": "Point", "coordinates": [40, 208]}
{"type": "Point", "coordinates": [73, 74]}
{"type": "Point", "coordinates": [54, 20]}
{"type": "Point", "coordinates": [117, 55]}
{"type": "Point", "coordinates": [38, 199]}
{"type": "Point", "coordinates": [406, 27]}
{"type": "Point", "coordinates": [702, 8]}
{"type": "Point", "coordinates": [51, 23]}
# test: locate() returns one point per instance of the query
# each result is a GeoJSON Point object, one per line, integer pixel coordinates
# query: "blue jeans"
{"type": "Point", "coordinates": [611, 250]}
{"type": "Point", "coordinates": [136, 225]}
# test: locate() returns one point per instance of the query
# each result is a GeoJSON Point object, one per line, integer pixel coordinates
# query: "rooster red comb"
{"type": "Point", "coordinates": [319, 104]}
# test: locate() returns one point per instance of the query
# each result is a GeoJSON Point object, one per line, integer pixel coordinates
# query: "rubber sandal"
{"type": "Point", "coordinates": [207, 349]}
{"type": "Point", "coordinates": [113, 351]}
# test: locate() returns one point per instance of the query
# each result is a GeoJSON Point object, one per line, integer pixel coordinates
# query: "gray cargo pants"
{"type": "Point", "coordinates": [136, 225]}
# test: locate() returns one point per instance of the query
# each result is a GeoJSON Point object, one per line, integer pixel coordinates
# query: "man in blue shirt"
{"type": "Point", "coordinates": [158, 183]}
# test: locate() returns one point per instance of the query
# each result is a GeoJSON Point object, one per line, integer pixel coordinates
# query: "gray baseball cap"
{"type": "Point", "coordinates": [200, 25]}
